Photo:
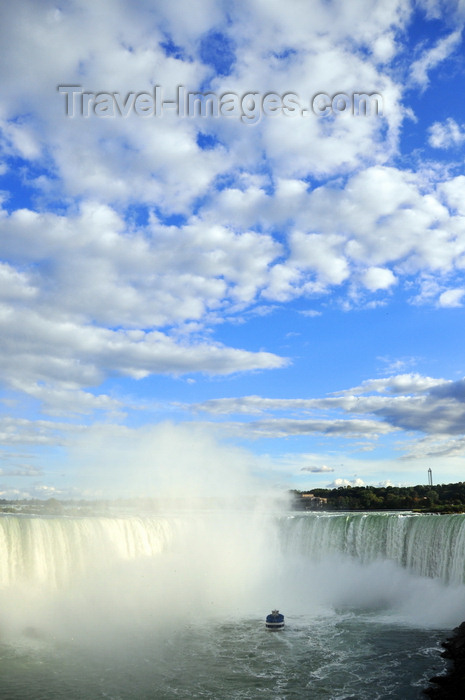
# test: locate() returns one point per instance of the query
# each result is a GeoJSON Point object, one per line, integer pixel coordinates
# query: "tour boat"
{"type": "Point", "coordinates": [275, 620]}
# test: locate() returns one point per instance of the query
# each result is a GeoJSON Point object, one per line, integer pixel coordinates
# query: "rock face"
{"type": "Point", "coordinates": [451, 686]}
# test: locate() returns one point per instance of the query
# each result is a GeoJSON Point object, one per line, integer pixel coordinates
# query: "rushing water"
{"type": "Point", "coordinates": [173, 607]}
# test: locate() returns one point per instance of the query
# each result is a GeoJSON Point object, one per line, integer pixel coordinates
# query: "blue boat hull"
{"type": "Point", "coordinates": [274, 621]}
{"type": "Point", "coordinates": [274, 625]}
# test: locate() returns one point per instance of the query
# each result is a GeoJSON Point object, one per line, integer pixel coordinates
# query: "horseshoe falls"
{"type": "Point", "coordinates": [173, 605]}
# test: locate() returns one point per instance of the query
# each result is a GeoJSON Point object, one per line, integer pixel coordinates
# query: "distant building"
{"type": "Point", "coordinates": [311, 502]}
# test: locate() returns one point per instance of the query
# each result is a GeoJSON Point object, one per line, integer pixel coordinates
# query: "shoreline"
{"type": "Point", "coordinates": [450, 685]}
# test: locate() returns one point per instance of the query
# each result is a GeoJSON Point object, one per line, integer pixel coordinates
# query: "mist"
{"type": "Point", "coordinates": [167, 461]}
{"type": "Point", "coordinates": [94, 579]}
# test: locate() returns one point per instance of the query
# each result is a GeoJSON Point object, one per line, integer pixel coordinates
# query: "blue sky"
{"type": "Point", "coordinates": [215, 302]}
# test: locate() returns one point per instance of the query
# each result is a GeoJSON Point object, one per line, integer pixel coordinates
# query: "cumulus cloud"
{"type": "Point", "coordinates": [168, 168]}
{"type": "Point", "coordinates": [337, 483]}
{"type": "Point", "coordinates": [378, 278]}
{"type": "Point", "coordinates": [451, 298]}
{"type": "Point", "coordinates": [59, 350]}
{"type": "Point", "coordinates": [150, 277]}
{"type": "Point", "coordinates": [446, 134]}
{"type": "Point", "coordinates": [414, 230]}
{"type": "Point", "coordinates": [108, 270]}
{"type": "Point", "coordinates": [89, 273]}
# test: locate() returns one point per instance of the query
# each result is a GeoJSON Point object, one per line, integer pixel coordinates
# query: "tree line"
{"type": "Point", "coordinates": [441, 498]}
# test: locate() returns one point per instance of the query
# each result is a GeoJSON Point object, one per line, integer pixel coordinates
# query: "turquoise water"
{"type": "Point", "coordinates": [174, 607]}
{"type": "Point", "coordinates": [346, 654]}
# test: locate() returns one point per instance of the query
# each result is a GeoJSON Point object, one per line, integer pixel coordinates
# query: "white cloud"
{"type": "Point", "coordinates": [349, 399]}
{"type": "Point", "coordinates": [411, 383]}
{"type": "Point", "coordinates": [451, 298]}
{"type": "Point", "coordinates": [409, 402]}
{"type": "Point", "coordinates": [321, 254]}
{"type": "Point", "coordinates": [446, 134]}
{"type": "Point", "coordinates": [53, 349]}
{"type": "Point", "coordinates": [397, 365]}
{"type": "Point", "coordinates": [337, 234]}
{"type": "Point", "coordinates": [190, 270]}
{"type": "Point", "coordinates": [432, 57]}
{"type": "Point", "coordinates": [15, 285]}
{"type": "Point", "coordinates": [317, 470]}
{"type": "Point", "coordinates": [67, 399]}
{"type": "Point", "coordinates": [337, 483]}
{"type": "Point", "coordinates": [20, 431]}
{"type": "Point", "coordinates": [92, 156]}
{"type": "Point", "coordinates": [90, 272]}
{"type": "Point", "coordinates": [19, 140]}
{"type": "Point", "coordinates": [378, 278]}
{"type": "Point", "coordinates": [285, 427]}
{"type": "Point", "coordinates": [105, 270]}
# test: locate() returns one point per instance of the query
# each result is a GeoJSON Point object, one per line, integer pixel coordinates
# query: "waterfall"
{"type": "Point", "coordinates": [428, 545]}
{"type": "Point", "coordinates": [55, 550]}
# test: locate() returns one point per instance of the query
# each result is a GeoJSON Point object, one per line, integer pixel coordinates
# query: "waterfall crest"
{"type": "Point", "coordinates": [428, 545]}
{"type": "Point", "coordinates": [54, 550]}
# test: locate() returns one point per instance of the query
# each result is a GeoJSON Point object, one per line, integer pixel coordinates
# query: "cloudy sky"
{"type": "Point", "coordinates": [267, 285]}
